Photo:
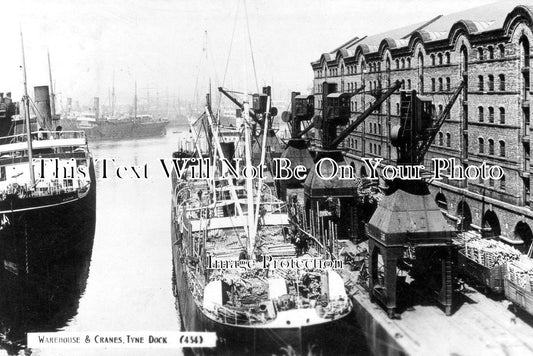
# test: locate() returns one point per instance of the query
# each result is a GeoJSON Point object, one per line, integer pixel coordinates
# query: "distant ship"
{"type": "Point", "coordinates": [116, 129]}
{"type": "Point", "coordinates": [113, 127]}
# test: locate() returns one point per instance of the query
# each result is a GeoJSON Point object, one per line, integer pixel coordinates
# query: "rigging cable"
{"type": "Point", "coordinates": [250, 42]}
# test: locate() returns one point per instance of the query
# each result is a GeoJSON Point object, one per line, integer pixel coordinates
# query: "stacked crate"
{"type": "Point", "coordinates": [490, 253]}
{"type": "Point", "coordinates": [520, 272]}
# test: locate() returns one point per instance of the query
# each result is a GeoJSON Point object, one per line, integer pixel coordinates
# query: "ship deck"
{"type": "Point", "coordinates": [479, 325]}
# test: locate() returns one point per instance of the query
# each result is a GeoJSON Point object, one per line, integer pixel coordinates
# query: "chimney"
{"type": "Point", "coordinates": [97, 107]}
{"type": "Point", "coordinates": [42, 103]}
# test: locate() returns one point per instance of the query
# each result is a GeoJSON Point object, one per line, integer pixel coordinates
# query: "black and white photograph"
{"type": "Point", "coordinates": [266, 177]}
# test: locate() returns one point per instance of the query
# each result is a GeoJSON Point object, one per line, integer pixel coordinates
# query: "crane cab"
{"type": "Point", "coordinates": [304, 106]}
{"type": "Point", "coordinates": [338, 108]}
{"type": "Point", "coordinates": [259, 103]}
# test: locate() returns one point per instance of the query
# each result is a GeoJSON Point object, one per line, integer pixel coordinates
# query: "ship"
{"type": "Point", "coordinates": [47, 185]}
{"type": "Point", "coordinates": [220, 223]}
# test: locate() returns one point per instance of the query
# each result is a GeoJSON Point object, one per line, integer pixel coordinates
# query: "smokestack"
{"type": "Point", "coordinates": [97, 107]}
{"type": "Point", "coordinates": [42, 103]}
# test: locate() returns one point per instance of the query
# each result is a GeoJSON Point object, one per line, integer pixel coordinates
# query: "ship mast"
{"type": "Point", "coordinates": [26, 100]}
{"type": "Point", "coordinates": [135, 104]}
{"type": "Point", "coordinates": [52, 95]}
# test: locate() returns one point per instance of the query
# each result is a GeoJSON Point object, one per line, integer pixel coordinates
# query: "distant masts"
{"type": "Point", "coordinates": [52, 95]}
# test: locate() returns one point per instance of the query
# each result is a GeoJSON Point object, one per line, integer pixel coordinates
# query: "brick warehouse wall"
{"type": "Point", "coordinates": [487, 124]}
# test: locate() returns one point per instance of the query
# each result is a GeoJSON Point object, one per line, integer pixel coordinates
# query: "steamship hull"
{"type": "Point", "coordinates": [328, 338]}
{"type": "Point", "coordinates": [117, 130]}
{"type": "Point", "coordinates": [38, 232]}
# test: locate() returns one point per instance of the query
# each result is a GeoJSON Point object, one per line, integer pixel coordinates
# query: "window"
{"type": "Point", "coordinates": [491, 114]}
{"type": "Point", "coordinates": [480, 86]}
{"type": "Point", "coordinates": [491, 82]}
{"type": "Point", "coordinates": [379, 129]}
{"type": "Point", "coordinates": [379, 150]}
{"type": "Point", "coordinates": [491, 147]}
{"type": "Point", "coordinates": [502, 183]}
{"type": "Point", "coordinates": [403, 84]}
{"type": "Point", "coordinates": [448, 84]}
{"type": "Point", "coordinates": [491, 52]}
{"type": "Point", "coordinates": [397, 108]}
{"type": "Point", "coordinates": [397, 64]}
{"type": "Point", "coordinates": [370, 147]}
{"type": "Point", "coordinates": [502, 149]}
{"type": "Point", "coordinates": [440, 109]}
{"type": "Point", "coordinates": [501, 49]}
{"type": "Point", "coordinates": [432, 84]}
{"type": "Point", "coordinates": [448, 140]}
{"type": "Point", "coordinates": [408, 62]}
{"type": "Point", "coordinates": [379, 66]}
{"type": "Point", "coordinates": [480, 53]}
{"type": "Point", "coordinates": [481, 145]}
{"type": "Point", "coordinates": [440, 58]}
{"type": "Point", "coordinates": [432, 59]}
{"type": "Point", "coordinates": [441, 138]}
{"type": "Point", "coordinates": [356, 144]}
{"type": "Point", "coordinates": [441, 88]}
{"type": "Point", "coordinates": [502, 82]}
{"type": "Point", "coordinates": [409, 84]}
{"type": "Point", "coordinates": [403, 63]}
{"type": "Point", "coordinates": [502, 116]}
{"type": "Point", "coordinates": [480, 114]}
{"type": "Point", "coordinates": [447, 57]}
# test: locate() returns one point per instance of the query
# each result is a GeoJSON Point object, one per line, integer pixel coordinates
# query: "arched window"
{"type": "Point", "coordinates": [448, 139]}
{"type": "Point", "coordinates": [491, 114]}
{"type": "Point", "coordinates": [491, 52]}
{"type": "Point", "coordinates": [397, 64]}
{"type": "Point", "coordinates": [502, 183]}
{"type": "Point", "coordinates": [403, 84]}
{"type": "Point", "coordinates": [409, 84]}
{"type": "Point", "coordinates": [448, 84]}
{"type": "Point", "coordinates": [356, 144]}
{"type": "Point", "coordinates": [441, 138]}
{"type": "Point", "coordinates": [502, 82]}
{"type": "Point", "coordinates": [408, 62]}
{"type": "Point", "coordinates": [447, 57]}
{"type": "Point", "coordinates": [480, 53]}
{"type": "Point", "coordinates": [370, 147]}
{"type": "Point", "coordinates": [403, 63]}
{"type": "Point", "coordinates": [501, 49]}
{"type": "Point", "coordinates": [441, 88]}
{"type": "Point", "coordinates": [379, 129]}
{"type": "Point", "coordinates": [379, 150]}
{"type": "Point", "coordinates": [491, 82]}
{"type": "Point", "coordinates": [480, 114]}
{"type": "Point", "coordinates": [440, 58]}
{"type": "Point", "coordinates": [491, 147]}
{"type": "Point", "coordinates": [432, 59]}
{"type": "Point", "coordinates": [481, 145]}
{"type": "Point", "coordinates": [432, 84]}
{"type": "Point", "coordinates": [480, 85]}
{"type": "Point", "coordinates": [502, 149]}
{"type": "Point", "coordinates": [502, 115]}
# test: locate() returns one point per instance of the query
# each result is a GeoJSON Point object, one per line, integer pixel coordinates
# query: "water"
{"type": "Point", "coordinates": [128, 283]}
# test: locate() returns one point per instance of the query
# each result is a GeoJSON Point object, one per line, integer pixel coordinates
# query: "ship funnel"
{"type": "Point", "coordinates": [97, 107]}
{"type": "Point", "coordinates": [42, 105]}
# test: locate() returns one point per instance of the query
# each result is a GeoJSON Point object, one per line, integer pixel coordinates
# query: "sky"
{"type": "Point", "coordinates": [162, 46]}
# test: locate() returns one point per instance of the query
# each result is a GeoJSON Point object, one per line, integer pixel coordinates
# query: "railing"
{"type": "Point", "coordinates": [42, 135]}
{"type": "Point", "coordinates": [24, 192]}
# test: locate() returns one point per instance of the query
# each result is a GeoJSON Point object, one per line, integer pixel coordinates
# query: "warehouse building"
{"type": "Point", "coordinates": [488, 48]}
